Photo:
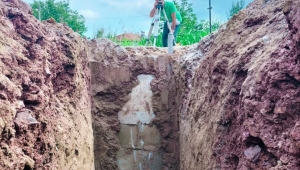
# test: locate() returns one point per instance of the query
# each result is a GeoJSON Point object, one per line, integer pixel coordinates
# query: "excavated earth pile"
{"type": "Point", "coordinates": [242, 111]}
{"type": "Point", "coordinates": [45, 105]}
{"type": "Point", "coordinates": [230, 102]}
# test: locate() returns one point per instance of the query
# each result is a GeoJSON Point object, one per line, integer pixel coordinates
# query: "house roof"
{"type": "Point", "coordinates": [128, 36]}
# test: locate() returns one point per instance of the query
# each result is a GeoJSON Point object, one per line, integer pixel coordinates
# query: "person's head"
{"type": "Point", "coordinates": [162, 1]}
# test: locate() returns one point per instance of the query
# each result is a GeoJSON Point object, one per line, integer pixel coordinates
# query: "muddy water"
{"type": "Point", "coordinates": [140, 142]}
{"type": "Point", "coordinates": [139, 108]}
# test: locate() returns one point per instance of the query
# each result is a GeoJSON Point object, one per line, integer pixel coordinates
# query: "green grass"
{"type": "Point", "coordinates": [182, 40]}
{"type": "Point", "coordinates": [125, 42]}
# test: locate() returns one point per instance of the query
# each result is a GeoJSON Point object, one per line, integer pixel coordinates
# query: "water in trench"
{"type": "Point", "coordinates": [140, 141]}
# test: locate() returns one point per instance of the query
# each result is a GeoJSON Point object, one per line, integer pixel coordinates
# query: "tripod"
{"type": "Point", "coordinates": [154, 24]}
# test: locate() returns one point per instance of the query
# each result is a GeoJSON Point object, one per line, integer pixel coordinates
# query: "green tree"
{"type": "Point", "coordinates": [236, 7]}
{"type": "Point", "coordinates": [188, 33]}
{"type": "Point", "coordinates": [61, 12]}
{"type": "Point", "coordinates": [203, 26]}
{"type": "Point", "coordinates": [99, 33]}
{"type": "Point", "coordinates": [191, 30]}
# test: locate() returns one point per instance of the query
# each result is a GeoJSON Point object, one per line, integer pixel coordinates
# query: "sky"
{"type": "Point", "coordinates": [132, 16]}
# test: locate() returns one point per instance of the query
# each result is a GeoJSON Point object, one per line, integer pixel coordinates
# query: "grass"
{"type": "Point", "coordinates": [125, 42]}
{"type": "Point", "coordinates": [187, 39]}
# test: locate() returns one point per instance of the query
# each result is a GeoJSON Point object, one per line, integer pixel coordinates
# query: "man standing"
{"type": "Point", "coordinates": [174, 18]}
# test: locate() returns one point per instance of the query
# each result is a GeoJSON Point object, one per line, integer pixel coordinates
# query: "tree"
{"type": "Point", "coordinates": [191, 30]}
{"type": "Point", "coordinates": [99, 33]}
{"type": "Point", "coordinates": [236, 7]}
{"type": "Point", "coordinates": [188, 32]}
{"type": "Point", "coordinates": [204, 25]}
{"type": "Point", "coordinates": [61, 12]}
{"type": "Point", "coordinates": [188, 16]}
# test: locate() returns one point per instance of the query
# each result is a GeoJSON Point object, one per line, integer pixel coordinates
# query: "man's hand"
{"type": "Point", "coordinates": [173, 25]}
{"type": "Point", "coordinates": [155, 4]}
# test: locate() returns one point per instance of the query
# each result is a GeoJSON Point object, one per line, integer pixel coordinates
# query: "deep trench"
{"type": "Point", "coordinates": [135, 116]}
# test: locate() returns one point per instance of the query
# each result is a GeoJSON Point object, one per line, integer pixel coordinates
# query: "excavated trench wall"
{"type": "Point", "coordinates": [242, 110]}
{"type": "Point", "coordinates": [45, 107]}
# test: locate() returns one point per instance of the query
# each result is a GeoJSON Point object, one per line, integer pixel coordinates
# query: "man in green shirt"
{"type": "Point", "coordinates": [173, 16]}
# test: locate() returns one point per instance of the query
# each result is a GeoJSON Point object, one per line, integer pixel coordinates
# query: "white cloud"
{"type": "Point", "coordinates": [89, 14]}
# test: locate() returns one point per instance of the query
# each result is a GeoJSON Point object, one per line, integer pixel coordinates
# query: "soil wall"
{"type": "Point", "coordinates": [242, 109]}
{"type": "Point", "coordinates": [45, 106]}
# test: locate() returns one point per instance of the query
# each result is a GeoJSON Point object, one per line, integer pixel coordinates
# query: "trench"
{"type": "Point", "coordinates": [140, 142]}
{"type": "Point", "coordinates": [135, 116]}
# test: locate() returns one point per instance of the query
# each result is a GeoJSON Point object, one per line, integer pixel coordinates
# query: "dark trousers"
{"type": "Point", "coordinates": [166, 32]}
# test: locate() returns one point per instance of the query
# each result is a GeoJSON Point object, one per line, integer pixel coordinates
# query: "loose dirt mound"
{"type": "Point", "coordinates": [243, 107]}
{"type": "Point", "coordinates": [45, 107]}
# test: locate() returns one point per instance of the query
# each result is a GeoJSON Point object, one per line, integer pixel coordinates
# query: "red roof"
{"type": "Point", "coordinates": [128, 36]}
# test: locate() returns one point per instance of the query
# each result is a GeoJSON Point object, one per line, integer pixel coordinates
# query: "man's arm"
{"type": "Point", "coordinates": [173, 20]}
{"type": "Point", "coordinates": [152, 12]}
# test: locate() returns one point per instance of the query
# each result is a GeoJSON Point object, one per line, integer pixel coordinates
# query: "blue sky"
{"type": "Point", "coordinates": [119, 16]}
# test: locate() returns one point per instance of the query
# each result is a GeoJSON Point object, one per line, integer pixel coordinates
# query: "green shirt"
{"type": "Point", "coordinates": [170, 8]}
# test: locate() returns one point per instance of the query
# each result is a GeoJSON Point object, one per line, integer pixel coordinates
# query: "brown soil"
{"type": "Point", "coordinates": [44, 72]}
{"type": "Point", "coordinates": [245, 93]}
